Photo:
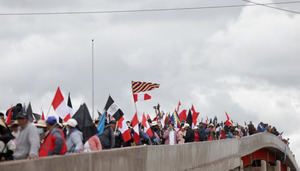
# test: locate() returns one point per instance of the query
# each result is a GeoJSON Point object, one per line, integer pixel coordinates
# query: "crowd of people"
{"type": "Point", "coordinates": [23, 139]}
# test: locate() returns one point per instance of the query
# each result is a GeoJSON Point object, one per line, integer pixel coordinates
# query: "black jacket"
{"type": "Point", "coordinates": [107, 138]}
{"type": "Point", "coordinates": [189, 137]}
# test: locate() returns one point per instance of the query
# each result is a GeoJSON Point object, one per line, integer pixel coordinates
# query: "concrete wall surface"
{"type": "Point", "coordinates": [207, 156]}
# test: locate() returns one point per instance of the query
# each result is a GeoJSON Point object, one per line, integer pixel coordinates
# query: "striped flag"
{"type": "Point", "coordinates": [138, 86]}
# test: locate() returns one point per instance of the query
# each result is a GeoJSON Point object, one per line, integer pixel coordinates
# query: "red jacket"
{"type": "Point", "coordinates": [54, 144]}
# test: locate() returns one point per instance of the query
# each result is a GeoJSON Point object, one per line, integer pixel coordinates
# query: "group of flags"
{"type": "Point", "coordinates": [64, 110]}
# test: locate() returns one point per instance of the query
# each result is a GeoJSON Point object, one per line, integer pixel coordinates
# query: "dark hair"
{"type": "Point", "coordinates": [1, 114]}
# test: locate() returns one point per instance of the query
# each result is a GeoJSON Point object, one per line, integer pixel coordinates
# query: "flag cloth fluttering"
{"type": "Point", "coordinates": [70, 107]}
{"type": "Point", "coordinates": [60, 106]}
{"type": "Point", "coordinates": [8, 120]}
{"type": "Point", "coordinates": [227, 123]}
{"type": "Point", "coordinates": [135, 126]}
{"type": "Point", "coordinates": [123, 128]}
{"type": "Point", "coordinates": [43, 116]}
{"type": "Point", "coordinates": [195, 116]}
{"type": "Point", "coordinates": [181, 112]}
{"type": "Point", "coordinates": [189, 118]}
{"type": "Point", "coordinates": [101, 124]}
{"type": "Point", "coordinates": [113, 109]}
{"type": "Point", "coordinates": [147, 128]}
{"type": "Point", "coordinates": [141, 97]}
{"type": "Point", "coordinates": [29, 113]}
{"type": "Point", "coordinates": [85, 122]}
{"type": "Point", "coordinates": [138, 86]}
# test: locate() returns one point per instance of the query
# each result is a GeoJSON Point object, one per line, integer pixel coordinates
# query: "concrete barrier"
{"type": "Point", "coordinates": [208, 156]}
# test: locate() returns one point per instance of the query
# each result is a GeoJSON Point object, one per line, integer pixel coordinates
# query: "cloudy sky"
{"type": "Point", "coordinates": [240, 60]}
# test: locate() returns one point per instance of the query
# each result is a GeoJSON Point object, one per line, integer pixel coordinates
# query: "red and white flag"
{"type": "Point", "coordinates": [135, 126]}
{"type": "Point", "coordinates": [181, 112]}
{"type": "Point", "coordinates": [195, 116]}
{"type": "Point", "coordinates": [60, 106]}
{"type": "Point", "coordinates": [141, 97]}
{"type": "Point", "coordinates": [43, 116]}
{"type": "Point", "coordinates": [124, 129]}
{"type": "Point", "coordinates": [163, 120]}
{"type": "Point", "coordinates": [147, 128]}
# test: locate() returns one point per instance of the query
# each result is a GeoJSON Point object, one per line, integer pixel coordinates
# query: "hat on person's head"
{"type": "Point", "coordinates": [196, 127]}
{"type": "Point", "coordinates": [186, 125]}
{"type": "Point", "coordinates": [211, 125]}
{"type": "Point", "coordinates": [15, 123]}
{"type": "Point", "coordinates": [22, 115]}
{"type": "Point", "coordinates": [51, 120]}
{"type": "Point", "coordinates": [234, 124]}
{"type": "Point", "coordinates": [71, 122]}
{"type": "Point", "coordinates": [41, 123]}
{"type": "Point", "coordinates": [113, 121]}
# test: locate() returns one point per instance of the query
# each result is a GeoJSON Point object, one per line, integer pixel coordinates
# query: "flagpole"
{"type": "Point", "coordinates": [93, 90]}
{"type": "Point", "coordinates": [133, 100]}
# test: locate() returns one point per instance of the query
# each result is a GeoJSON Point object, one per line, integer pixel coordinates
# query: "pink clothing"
{"type": "Point", "coordinates": [167, 137]}
{"type": "Point", "coordinates": [180, 136]}
{"type": "Point", "coordinates": [94, 144]}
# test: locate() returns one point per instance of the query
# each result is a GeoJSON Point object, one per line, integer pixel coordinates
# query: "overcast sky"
{"type": "Point", "coordinates": [240, 60]}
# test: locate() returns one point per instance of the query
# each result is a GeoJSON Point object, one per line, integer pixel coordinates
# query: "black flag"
{"type": "Point", "coordinates": [85, 122]}
{"type": "Point", "coordinates": [189, 118]}
{"type": "Point", "coordinates": [113, 109]}
{"type": "Point", "coordinates": [29, 112]}
{"type": "Point", "coordinates": [69, 102]}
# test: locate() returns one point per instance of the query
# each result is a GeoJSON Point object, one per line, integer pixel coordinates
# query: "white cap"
{"type": "Point", "coordinates": [154, 123]}
{"type": "Point", "coordinates": [71, 122]}
{"type": "Point", "coordinates": [196, 127]}
{"type": "Point", "coordinates": [186, 125]}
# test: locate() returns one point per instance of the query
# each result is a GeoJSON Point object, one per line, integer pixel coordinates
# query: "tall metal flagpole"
{"type": "Point", "coordinates": [93, 88]}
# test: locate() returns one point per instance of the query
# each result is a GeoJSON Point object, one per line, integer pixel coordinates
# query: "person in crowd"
{"type": "Point", "coordinates": [196, 134]}
{"type": "Point", "coordinates": [42, 129]}
{"type": "Point", "coordinates": [74, 137]}
{"type": "Point", "coordinates": [202, 132]}
{"type": "Point", "coordinates": [2, 117]}
{"type": "Point", "coordinates": [107, 138]}
{"type": "Point", "coordinates": [144, 138]}
{"type": "Point", "coordinates": [170, 135]}
{"type": "Point", "coordinates": [119, 142]}
{"type": "Point", "coordinates": [15, 111]}
{"type": "Point", "coordinates": [189, 136]}
{"type": "Point", "coordinates": [7, 145]}
{"type": "Point", "coordinates": [156, 133]}
{"type": "Point", "coordinates": [131, 141]}
{"type": "Point", "coordinates": [261, 127]}
{"type": "Point", "coordinates": [251, 128]}
{"type": "Point", "coordinates": [28, 141]}
{"type": "Point", "coordinates": [181, 134]}
{"type": "Point", "coordinates": [15, 129]}
{"type": "Point", "coordinates": [93, 144]}
{"type": "Point", "coordinates": [54, 142]}
{"type": "Point", "coordinates": [211, 132]}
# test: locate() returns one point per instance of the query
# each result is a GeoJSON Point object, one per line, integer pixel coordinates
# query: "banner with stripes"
{"type": "Point", "coordinates": [138, 86]}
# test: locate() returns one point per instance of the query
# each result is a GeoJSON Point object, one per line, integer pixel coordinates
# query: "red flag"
{"type": "Point", "coordinates": [141, 97]}
{"type": "Point", "coordinates": [124, 129]}
{"type": "Point", "coordinates": [8, 120]}
{"type": "Point", "coordinates": [43, 116]}
{"type": "Point", "coordinates": [181, 112]}
{"type": "Point", "coordinates": [227, 123]}
{"type": "Point", "coordinates": [135, 126]}
{"type": "Point", "coordinates": [147, 128]}
{"type": "Point", "coordinates": [60, 106]}
{"type": "Point", "coordinates": [195, 116]}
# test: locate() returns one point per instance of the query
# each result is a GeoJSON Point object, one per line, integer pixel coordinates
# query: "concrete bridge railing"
{"type": "Point", "coordinates": [208, 156]}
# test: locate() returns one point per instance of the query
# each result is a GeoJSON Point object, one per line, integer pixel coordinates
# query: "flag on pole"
{"type": "Point", "coordinates": [43, 115]}
{"type": "Point", "coordinates": [101, 124]}
{"type": "Point", "coordinates": [181, 112]}
{"type": "Point", "coordinates": [176, 121]}
{"type": "Point", "coordinates": [138, 86]}
{"type": "Point", "coordinates": [8, 120]}
{"type": "Point", "coordinates": [148, 117]}
{"type": "Point", "coordinates": [29, 112]}
{"type": "Point", "coordinates": [189, 118]}
{"type": "Point", "coordinates": [125, 131]}
{"type": "Point", "coordinates": [195, 116]}
{"type": "Point", "coordinates": [60, 106]}
{"type": "Point", "coordinates": [147, 128]}
{"type": "Point", "coordinates": [113, 109]}
{"type": "Point", "coordinates": [227, 123]}
{"type": "Point", "coordinates": [141, 97]}
{"type": "Point", "coordinates": [70, 107]}
{"type": "Point", "coordinates": [135, 126]}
